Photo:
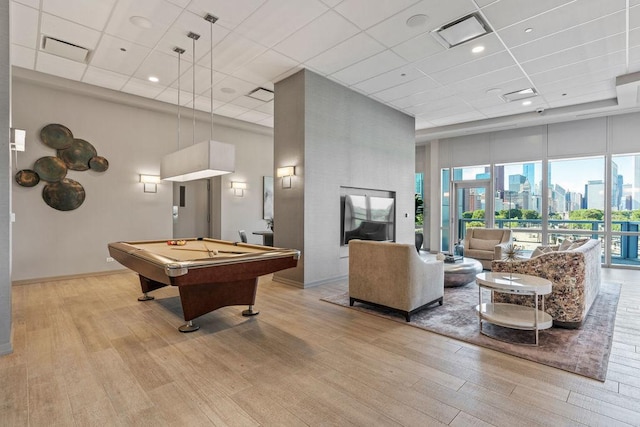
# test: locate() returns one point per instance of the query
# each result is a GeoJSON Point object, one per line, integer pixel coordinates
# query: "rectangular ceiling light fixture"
{"type": "Point", "coordinates": [261, 94]}
{"type": "Point", "coordinates": [64, 49]}
{"type": "Point", "coordinates": [520, 94]}
{"type": "Point", "coordinates": [461, 30]}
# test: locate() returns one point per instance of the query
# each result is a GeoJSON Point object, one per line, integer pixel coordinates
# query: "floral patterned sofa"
{"type": "Point", "coordinates": [574, 269]}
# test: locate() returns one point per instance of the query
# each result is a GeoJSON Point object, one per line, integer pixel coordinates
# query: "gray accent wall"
{"type": "Point", "coordinates": [335, 137]}
{"type": "Point", "coordinates": [5, 190]}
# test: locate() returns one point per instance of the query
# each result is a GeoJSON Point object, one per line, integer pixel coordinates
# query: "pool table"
{"type": "Point", "coordinates": [209, 273]}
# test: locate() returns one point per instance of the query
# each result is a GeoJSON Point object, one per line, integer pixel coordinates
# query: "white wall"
{"type": "Point", "coordinates": [133, 134]}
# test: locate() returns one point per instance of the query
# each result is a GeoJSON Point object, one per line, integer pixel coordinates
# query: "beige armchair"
{"type": "Point", "coordinates": [486, 244]}
{"type": "Point", "coordinates": [393, 275]}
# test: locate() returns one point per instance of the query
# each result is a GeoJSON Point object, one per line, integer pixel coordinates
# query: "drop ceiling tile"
{"type": "Point", "coordinates": [109, 55]}
{"type": "Point", "coordinates": [352, 50]}
{"type": "Point", "coordinates": [460, 54]}
{"type": "Point", "coordinates": [314, 38]}
{"type": "Point", "coordinates": [160, 13]}
{"type": "Point", "coordinates": [506, 80]}
{"type": "Point", "coordinates": [233, 53]}
{"type": "Point", "coordinates": [419, 47]}
{"type": "Point", "coordinates": [181, 3]}
{"type": "Point", "coordinates": [361, 12]}
{"type": "Point", "coordinates": [469, 116]}
{"type": "Point", "coordinates": [594, 49]}
{"type": "Point", "coordinates": [583, 90]}
{"type": "Point", "coordinates": [443, 103]}
{"type": "Point", "coordinates": [58, 66]}
{"type": "Point", "coordinates": [93, 14]}
{"type": "Point", "coordinates": [239, 88]}
{"type": "Point", "coordinates": [253, 116]}
{"type": "Point", "coordinates": [565, 85]}
{"type": "Point", "coordinates": [395, 30]}
{"type": "Point", "coordinates": [248, 102]}
{"type": "Point", "coordinates": [390, 79]}
{"type": "Point", "coordinates": [142, 88]}
{"type": "Point", "coordinates": [468, 70]}
{"type": "Point", "coordinates": [104, 78]}
{"type": "Point", "coordinates": [576, 36]}
{"type": "Point", "coordinates": [579, 68]}
{"type": "Point", "coordinates": [267, 27]}
{"type": "Point", "coordinates": [370, 67]}
{"type": "Point", "coordinates": [31, 3]}
{"type": "Point", "coordinates": [265, 68]}
{"type": "Point", "coordinates": [421, 97]}
{"type": "Point", "coordinates": [24, 26]}
{"type": "Point", "coordinates": [634, 37]}
{"type": "Point", "coordinates": [23, 57]}
{"type": "Point", "coordinates": [230, 14]}
{"type": "Point", "coordinates": [582, 99]}
{"type": "Point", "coordinates": [268, 122]}
{"type": "Point", "coordinates": [69, 32]}
{"type": "Point", "coordinates": [202, 79]}
{"type": "Point", "coordinates": [230, 110]}
{"type": "Point", "coordinates": [560, 20]}
{"type": "Point", "coordinates": [170, 95]}
{"type": "Point", "coordinates": [407, 89]}
{"type": "Point", "coordinates": [504, 13]}
{"type": "Point", "coordinates": [160, 65]}
{"type": "Point", "coordinates": [266, 107]}
{"type": "Point", "coordinates": [485, 3]}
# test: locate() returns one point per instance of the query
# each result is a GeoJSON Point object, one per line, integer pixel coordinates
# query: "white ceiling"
{"type": "Point", "coordinates": [572, 55]}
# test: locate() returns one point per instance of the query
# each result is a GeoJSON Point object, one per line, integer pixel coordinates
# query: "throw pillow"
{"type": "Point", "coordinates": [566, 243]}
{"type": "Point", "coordinates": [483, 245]}
{"type": "Point", "coordinates": [541, 250]}
{"type": "Point", "coordinates": [577, 244]}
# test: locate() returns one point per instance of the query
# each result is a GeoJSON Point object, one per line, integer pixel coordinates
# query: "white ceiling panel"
{"type": "Point", "coordinates": [395, 30]}
{"type": "Point", "coordinates": [24, 26]}
{"type": "Point", "coordinates": [313, 39]}
{"type": "Point", "coordinates": [104, 78]}
{"type": "Point", "coordinates": [504, 13]}
{"type": "Point", "coordinates": [59, 66]}
{"type": "Point", "coordinates": [418, 47]}
{"type": "Point", "coordinates": [572, 14]}
{"type": "Point", "coordinates": [23, 57]}
{"type": "Point", "coordinates": [70, 32]}
{"type": "Point", "coordinates": [90, 13]}
{"type": "Point", "coordinates": [267, 25]}
{"type": "Point", "coordinates": [573, 53]}
{"type": "Point", "coordinates": [594, 30]}
{"type": "Point", "coordinates": [364, 16]}
{"type": "Point", "coordinates": [160, 13]}
{"type": "Point", "coordinates": [370, 67]}
{"type": "Point", "coordinates": [110, 55]}
{"type": "Point", "coordinates": [230, 13]}
{"type": "Point", "coordinates": [353, 50]}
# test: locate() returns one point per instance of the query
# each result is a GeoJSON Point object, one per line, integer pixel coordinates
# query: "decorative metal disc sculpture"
{"type": "Point", "coordinates": [56, 136]}
{"type": "Point", "coordinates": [50, 169]}
{"type": "Point", "coordinates": [99, 164]}
{"type": "Point", "coordinates": [65, 195]}
{"type": "Point", "coordinates": [27, 178]}
{"type": "Point", "coordinates": [78, 154]}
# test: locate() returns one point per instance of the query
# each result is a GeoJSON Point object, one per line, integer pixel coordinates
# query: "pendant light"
{"type": "Point", "coordinates": [205, 159]}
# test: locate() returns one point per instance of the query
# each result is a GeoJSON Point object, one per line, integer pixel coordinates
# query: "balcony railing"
{"type": "Point", "coordinates": [528, 233]}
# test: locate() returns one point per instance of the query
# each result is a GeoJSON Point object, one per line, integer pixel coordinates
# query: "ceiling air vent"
{"type": "Point", "coordinates": [64, 49]}
{"type": "Point", "coordinates": [261, 94]}
{"type": "Point", "coordinates": [461, 30]}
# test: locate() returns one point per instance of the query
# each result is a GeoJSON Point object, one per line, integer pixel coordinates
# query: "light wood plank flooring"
{"type": "Point", "coordinates": [88, 353]}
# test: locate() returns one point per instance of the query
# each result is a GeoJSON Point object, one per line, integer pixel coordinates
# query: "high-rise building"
{"type": "Point", "coordinates": [594, 194]}
{"type": "Point", "coordinates": [529, 171]}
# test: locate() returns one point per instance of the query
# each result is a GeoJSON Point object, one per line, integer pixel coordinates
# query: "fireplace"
{"type": "Point", "coordinates": [366, 214]}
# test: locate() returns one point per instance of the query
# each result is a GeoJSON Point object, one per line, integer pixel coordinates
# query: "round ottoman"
{"type": "Point", "coordinates": [461, 273]}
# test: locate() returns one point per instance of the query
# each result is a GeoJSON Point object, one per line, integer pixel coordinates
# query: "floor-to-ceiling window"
{"type": "Point", "coordinates": [625, 210]}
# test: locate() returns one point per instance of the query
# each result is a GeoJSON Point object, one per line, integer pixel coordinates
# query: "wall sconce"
{"type": "Point", "coordinates": [286, 173]}
{"type": "Point", "coordinates": [150, 183]}
{"type": "Point", "coordinates": [18, 137]}
{"type": "Point", "coordinates": [238, 188]}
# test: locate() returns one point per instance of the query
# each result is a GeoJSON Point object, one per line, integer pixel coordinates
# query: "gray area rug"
{"type": "Point", "coordinates": [583, 351]}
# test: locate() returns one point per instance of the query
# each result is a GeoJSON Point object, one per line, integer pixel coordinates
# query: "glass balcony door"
{"type": "Point", "coordinates": [472, 207]}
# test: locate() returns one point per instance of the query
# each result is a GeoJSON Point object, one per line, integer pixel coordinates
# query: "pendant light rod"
{"type": "Point", "coordinates": [211, 19]}
{"type": "Point", "coordinates": [193, 36]}
{"type": "Point", "coordinates": [179, 51]}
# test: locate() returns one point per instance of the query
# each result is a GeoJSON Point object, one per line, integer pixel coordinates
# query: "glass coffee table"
{"type": "Point", "coordinates": [513, 316]}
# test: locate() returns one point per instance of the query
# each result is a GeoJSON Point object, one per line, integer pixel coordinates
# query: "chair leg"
{"type": "Point", "coordinates": [351, 300]}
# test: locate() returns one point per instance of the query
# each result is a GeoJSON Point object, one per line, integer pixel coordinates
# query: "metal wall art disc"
{"type": "Point", "coordinates": [27, 178]}
{"type": "Point", "coordinates": [99, 164]}
{"type": "Point", "coordinates": [65, 195]}
{"type": "Point", "coordinates": [78, 154]}
{"type": "Point", "coordinates": [56, 136]}
{"type": "Point", "coordinates": [50, 169]}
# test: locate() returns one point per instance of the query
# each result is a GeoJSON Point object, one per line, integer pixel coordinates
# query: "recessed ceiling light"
{"type": "Point", "coordinates": [154, 79]}
{"type": "Point", "coordinates": [477, 49]}
{"type": "Point", "coordinates": [141, 22]}
{"type": "Point", "coordinates": [520, 94]}
{"type": "Point", "coordinates": [525, 103]}
{"type": "Point", "coordinates": [528, 30]}
{"type": "Point", "coordinates": [417, 20]}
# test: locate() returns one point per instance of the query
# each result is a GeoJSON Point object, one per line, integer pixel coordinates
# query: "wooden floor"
{"type": "Point", "coordinates": [88, 353]}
